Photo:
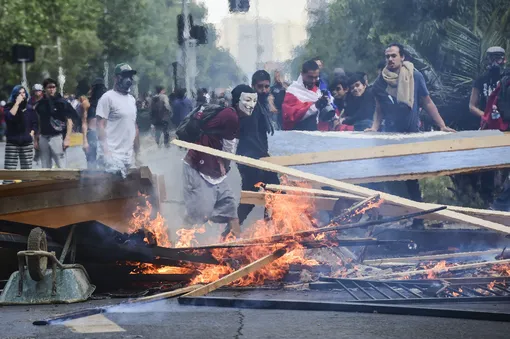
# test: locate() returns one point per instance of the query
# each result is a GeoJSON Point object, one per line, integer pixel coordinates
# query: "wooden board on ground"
{"type": "Point", "coordinates": [106, 198]}
{"type": "Point", "coordinates": [386, 209]}
{"type": "Point", "coordinates": [391, 151]}
{"type": "Point", "coordinates": [436, 257]}
{"type": "Point", "coordinates": [230, 278]}
{"type": "Point", "coordinates": [432, 270]}
{"type": "Point", "coordinates": [366, 192]}
{"type": "Point", "coordinates": [417, 166]}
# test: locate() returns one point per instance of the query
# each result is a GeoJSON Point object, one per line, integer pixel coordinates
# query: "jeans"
{"type": "Point", "coordinates": [91, 155]}
{"type": "Point", "coordinates": [251, 176]}
{"type": "Point", "coordinates": [162, 127]}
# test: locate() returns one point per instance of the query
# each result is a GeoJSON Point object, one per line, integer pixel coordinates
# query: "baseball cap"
{"type": "Point", "coordinates": [37, 87]}
{"type": "Point", "coordinates": [495, 49]}
{"type": "Point", "coordinates": [124, 68]}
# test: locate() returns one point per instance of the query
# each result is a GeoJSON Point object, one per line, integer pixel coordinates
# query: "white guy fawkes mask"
{"type": "Point", "coordinates": [247, 102]}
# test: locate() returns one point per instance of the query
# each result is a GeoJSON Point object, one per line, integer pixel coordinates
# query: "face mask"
{"type": "Point", "coordinates": [124, 85]}
{"type": "Point", "coordinates": [247, 102]}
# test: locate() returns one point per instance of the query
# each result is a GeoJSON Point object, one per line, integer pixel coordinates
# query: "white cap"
{"type": "Point", "coordinates": [37, 87]}
{"type": "Point", "coordinates": [495, 49]}
{"type": "Point", "coordinates": [2, 103]}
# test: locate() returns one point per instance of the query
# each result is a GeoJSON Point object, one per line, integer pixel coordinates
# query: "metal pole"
{"type": "Point", "coordinates": [61, 76]}
{"type": "Point", "coordinates": [185, 46]}
{"type": "Point", "coordinates": [24, 81]}
{"type": "Point", "coordinates": [257, 35]}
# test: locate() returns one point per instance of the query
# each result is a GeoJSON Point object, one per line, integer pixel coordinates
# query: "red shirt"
{"type": "Point", "coordinates": [226, 124]}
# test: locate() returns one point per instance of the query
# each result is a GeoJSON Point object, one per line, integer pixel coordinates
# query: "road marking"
{"type": "Point", "coordinates": [97, 323]}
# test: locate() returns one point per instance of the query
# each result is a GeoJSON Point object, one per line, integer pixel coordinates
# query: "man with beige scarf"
{"type": "Point", "coordinates": [400, 91]}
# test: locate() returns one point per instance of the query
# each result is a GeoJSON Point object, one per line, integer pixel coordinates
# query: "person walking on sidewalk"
{"type": "Point", "coordinates": [55, 125]}
{"type": "Point", "coordinates": [22, 124]}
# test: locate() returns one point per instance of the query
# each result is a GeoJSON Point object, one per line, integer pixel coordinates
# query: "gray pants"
{"type": "Point", "coordinates": [205, 201]}
{"type": "Point", "coordinates": [52, 148]}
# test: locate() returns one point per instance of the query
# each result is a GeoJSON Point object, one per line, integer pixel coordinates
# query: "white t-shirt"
{"type": "Point", "coordinates": [120, 112]}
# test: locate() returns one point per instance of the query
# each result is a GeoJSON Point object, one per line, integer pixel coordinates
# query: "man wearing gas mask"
{"type": "Point", "coordinates": [253, 141]}
{"type": "Point", "coordinates": [117, 129]}
{"type": "Point", "coordinates": [488, 81]}
{"type": "Point", "coordinates": [207, 195]}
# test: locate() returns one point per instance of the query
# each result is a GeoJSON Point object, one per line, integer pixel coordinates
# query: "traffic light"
{"type": "Point", "coordinates": [180, 28]}
{"type": "Point", "coordinates": [239, 6]}
{"type": "Point", "coordinates": [200, 34]}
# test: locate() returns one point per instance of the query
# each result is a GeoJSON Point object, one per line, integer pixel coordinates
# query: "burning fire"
{"type": "Point", "coordinates": [438, 268]}
{"type": "Point", "coordinates": [290, 213]}
{"type": "Point", "coordinates": [143, 221]}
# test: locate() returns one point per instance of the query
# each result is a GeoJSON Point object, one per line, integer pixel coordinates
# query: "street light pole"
{"type": "Point", "coordinates": [257, 35]}
{"type": "Point", "coordinates": [188, 53]}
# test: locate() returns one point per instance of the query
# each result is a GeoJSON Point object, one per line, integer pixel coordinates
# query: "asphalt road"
{"type": "Point", "coordinates": [167, 319]}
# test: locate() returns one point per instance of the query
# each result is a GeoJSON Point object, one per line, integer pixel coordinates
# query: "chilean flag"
{"type": "Point", "coordinates": [299, 103]}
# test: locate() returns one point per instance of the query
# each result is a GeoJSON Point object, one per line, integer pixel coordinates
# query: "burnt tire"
{"type": "Point", "coordinates": [37, 265]}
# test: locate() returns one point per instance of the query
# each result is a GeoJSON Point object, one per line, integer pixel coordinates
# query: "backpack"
{"type": "Point", "coordinates": [500, 99]}
{"type": "Point", "coordinates": [193, 125]}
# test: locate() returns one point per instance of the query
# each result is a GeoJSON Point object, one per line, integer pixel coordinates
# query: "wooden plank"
{"type": "Point", "coordinates": [422, 258]}
{"type": "Point", "coordinates": [113, 213]}
{"type": "Point", "coordinates": [166, 295]}
{"type": "Point", "coordinates": [363, 191]}
{"type": "Point", "coordinates": [259, 199]}
{"type": "Point", "coordinates": [431, 270]}
{"type": "Point", "coordinates": [391, 151]}
{"type": "Point", "coordinates": [393, 209]}
{"type": "Point", "coordinates": [64, 174]}
{"type": "Point", "coordinates": [71, 196]}
{"type": "Point", "coordinates": [424, 175]}
{"type": "Point", "coordinates": [230, 278]}
{"type": "Point", "coordinates": [312, 191]}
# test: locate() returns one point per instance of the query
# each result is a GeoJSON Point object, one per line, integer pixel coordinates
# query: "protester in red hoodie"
{"type": "Point", "coordinates": [303, 100]}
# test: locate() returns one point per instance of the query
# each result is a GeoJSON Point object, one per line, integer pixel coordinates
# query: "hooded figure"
{"type": "Point", "coordinates": [22, 123]}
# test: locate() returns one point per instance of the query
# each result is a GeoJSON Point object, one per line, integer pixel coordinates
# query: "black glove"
{"type": "Point", "coordinates": [321, 103]}
{"type": "Point", "coordinates": [326, 115]}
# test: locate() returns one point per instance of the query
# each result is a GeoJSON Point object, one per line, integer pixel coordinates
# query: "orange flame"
{"type": "Point", "coordinates": [438, 268]}
{"type": "Point", "coordinates": [142, 220]}
{"type": "Point", "coordinates": [289, 214]}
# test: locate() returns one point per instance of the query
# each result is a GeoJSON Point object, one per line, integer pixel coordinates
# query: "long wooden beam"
{"type": "Point", "coordinates": [397, 150]}
{"type": "Point", "coordinates": [424, 175]}
{"type": "Point", "coordinates": [432, 270]}
{"type": "Point", "coordinates": [230, 278]}
{"type": "Point", "coordinates": [386, 208]}
{"type": "Point", "coordinates": [422, 258]}
{"type": "Point", "coordinates": [66, 174]}
{"type": "Point", "coordinates": [363, 191]}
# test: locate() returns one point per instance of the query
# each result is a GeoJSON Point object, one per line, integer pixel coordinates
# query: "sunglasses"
{"type": "Point", "coordinates": [261, 86]}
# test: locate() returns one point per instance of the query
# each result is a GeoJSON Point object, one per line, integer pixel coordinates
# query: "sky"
{"type": "Point", "coordinates": [275, 10]}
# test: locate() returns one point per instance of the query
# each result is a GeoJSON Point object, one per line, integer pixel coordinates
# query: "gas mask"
{"type": "Point", "coordinates": [124, 83]}
{"type": "Point", "coordinates": [247, 102]}
{"type": "Point", "coordinates": [495, 64]}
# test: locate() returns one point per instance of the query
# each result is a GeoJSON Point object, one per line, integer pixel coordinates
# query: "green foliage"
{"type": "Point", "coordinates": [140, 32]}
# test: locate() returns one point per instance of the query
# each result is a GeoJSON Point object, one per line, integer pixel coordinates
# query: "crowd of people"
{"type": "Point", "coordinates": [238, 121]}
{"type": "Point", "coordinates": [392, 103]}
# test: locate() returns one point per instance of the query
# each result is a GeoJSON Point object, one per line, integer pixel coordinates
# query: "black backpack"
{"type": "Point", "coordinates": [503, 99]}
{"type": "Point", "coordinates": [193, 125]}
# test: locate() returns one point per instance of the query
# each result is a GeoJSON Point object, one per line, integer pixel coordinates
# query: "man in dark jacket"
{"type": "Point", "coordinates": [253, 141]}
{"type": "Point", "coordinates": [161, 115]}
{"type": "Point", "coordinates": [181, 106]}
{"type": "Point", "coordinates": [55, 125]}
